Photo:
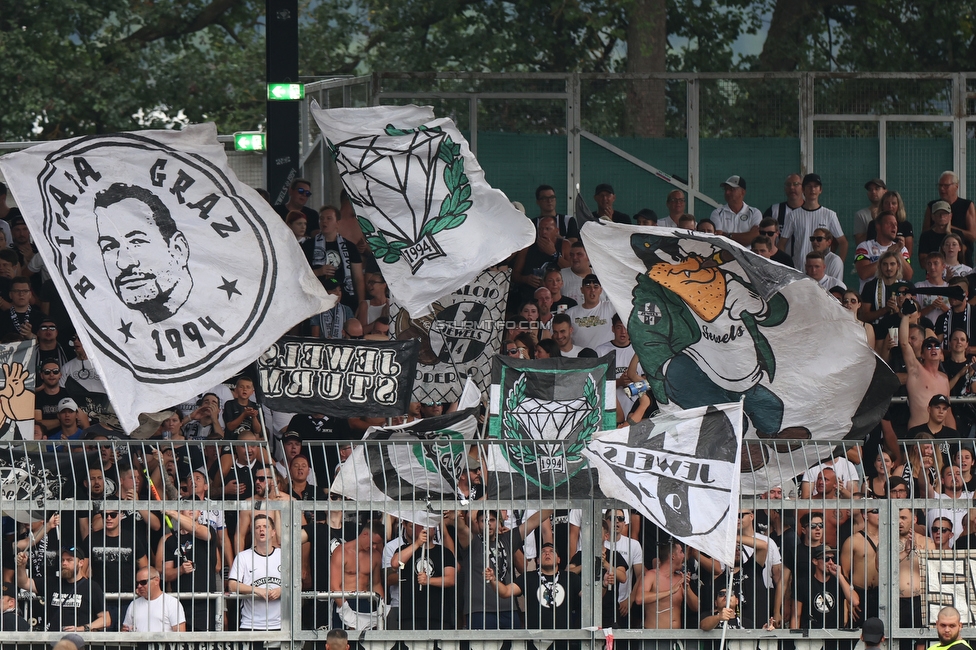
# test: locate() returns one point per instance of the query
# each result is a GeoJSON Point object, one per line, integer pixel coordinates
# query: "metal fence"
{"type": "Point", "coordinates": [902, 568]}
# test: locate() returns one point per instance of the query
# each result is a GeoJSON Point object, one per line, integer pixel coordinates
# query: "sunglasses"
{"type": "Point", "coordinates": [872, 511]}
{"type": "Point", "coordinates": [817, 239]}
{"type": "Point", "coordinates": [816, 526]}
{"type": "Point", "coordinates": [47, 328]}
{"type": "Point", "coordinates": [303, 191]}
{"type": "Point", "coordinates": [511, 351]}
{"type": "Point", "coordinates": [930, 346]}
{"type": "Point", "coordinates": [744, 514]}
{"type": "Point", "coordinates": [767, 233]}
{"type": "Point", "coordinates": [50, 372]}
{"type": "Point", "coordinates": [591, 284]}
{"type": "Point", "coordinates": [548, 198]}
{"type": "Point", "coordinates": [620, 519]}
{"type": "Point", "coordinates": [260, 478]}
{"type": "Point", "coordinates": [111, 515]}
{"type": "Point", "coordinates": [142, 583]}
{"type": "Point", "coordinates": [939, 529]}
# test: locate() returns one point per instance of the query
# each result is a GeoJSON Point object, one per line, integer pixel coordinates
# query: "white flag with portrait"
{"type": "Point", "coordinates": [430, 218]}
{"type": "Point", "coordinates": [175, 274]}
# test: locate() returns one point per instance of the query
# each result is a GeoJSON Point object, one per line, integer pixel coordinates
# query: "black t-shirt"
{"type": "Point", "coordinates": [610, 600]}
{"type": "Point", "coordinates": [551, 602]}
{"type": "Point", "coordinates": [72, 604]}
{"type": "Point", "coordinates": [561, 305]}
{"type": "Point", "coordinates": [324, 456]}
{"type": "Point", "coordinates": [10, 322]}
{"type": "Point", "coordinates": [48, 404]}
{"type": "Point", "coordinates": [334, 257]}
{"type": "Point", "coordinates": [311, 215]}
{"type": "Point", "coordinates": [929, 241]}
{"type": "Point", "coordinates": [568, 228]}
{"type": "Point", "coordinates": [232, 411]}
{"type": "Point", "coordinates": [960, 207]}
{"type": "Point", "coordinates": [180, 547]}
{"type": "Point", "coordinates": [430, 608]}
{"type": "Point", "coordinates": [823, 604]}
{"type": "Point", "coordinates": [114, 560]}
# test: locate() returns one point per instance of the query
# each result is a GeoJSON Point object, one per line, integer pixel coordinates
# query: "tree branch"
{"type": "Point", "coordinates": [173, 26]}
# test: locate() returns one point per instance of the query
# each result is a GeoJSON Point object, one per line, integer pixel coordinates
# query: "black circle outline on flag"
{"type": "Point", "coordinates": [266, 276]}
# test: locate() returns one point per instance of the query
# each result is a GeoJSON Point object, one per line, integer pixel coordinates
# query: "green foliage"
{"type": "Point", "coordinates": [76, 67]}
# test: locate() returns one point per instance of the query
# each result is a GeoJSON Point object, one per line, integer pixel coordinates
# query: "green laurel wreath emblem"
{"type": "Point", "coordinates": [454, 207]}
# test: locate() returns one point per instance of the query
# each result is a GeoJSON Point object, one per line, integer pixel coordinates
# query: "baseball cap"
{"type": "Point", "coordinates": [931, 339]}
{"type": "Point", "coordinates": [812, 178]}
{"type": "Point", "coordinates": [9, 589]}
{"type": "Point", "coordinates": [67, 404]}
{"type": "Point", "coordinates": [590, 277]}
{"type": "Point", "coordinates": [902, 285]}
{"type": "Point", "coordinates": [938, 399]}
{"type": "Point", "coordinates": [873, 631]}
{"type": "Point", "coordinates": [604, 187]}
{"type": "Point", "coordinates": [473, 463]}
{"type": "Point", "coordinates": [735, 181]}
{"type": "Point", "coordinates": [941, 206]}
{"type": "Point", "coordinates": [78, 551]}
{"type": "Point", "coordinates": [822, 551]}
{"type": "Point", "coordinates": [330, 284]}
{"type": "Point", "coordinates": [291, 435]}
{"type": "Point", "coordinates": [875, 181]}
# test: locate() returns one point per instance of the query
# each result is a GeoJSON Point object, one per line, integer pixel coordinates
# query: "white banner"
{"type": "Point", "coordinates": [681, 470]}
{"type": "Point", "coordinates": [429, 217]}
{"type": "Point", "coordinates": [176, 274]}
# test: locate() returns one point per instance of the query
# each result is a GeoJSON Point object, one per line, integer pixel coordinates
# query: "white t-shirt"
{"type": "Point", "coordinates": [925, 301]}
{"type": "Point", "coordinates": [573, 286]}
{"type": "Point", "coordinates": [872, 251]}
{"type": "Point", "coordinates": [954, 510]}
{"type": "Point", "coordinates": [256, 570]}
{"type": "Point", "coordinates": [622, 362]}
{"type": "Point", "coordinates": [630, 550]}
{"type": "Point", "coordinates": [734, 222]}
{"type": "Point", "coordinates": [800, 224]}
{"type": "Point", "coordinates": [862, 219]}
{"type": "Point", "coordinates": [773, 558]}
{"type": "Point", "coordinates": [592, 327]}
{"type": "Point", "coordinates": [844, 470]}
{"type": "Point", "coordinates": [161, 614]}
{"type": "Point", "coordinates": [829, 282]}
{"type": "Point", "coordinates": [392, 546]}
{"type": "Point", "coordinates": [835, 266]}
{"type": "Point", "coordinates": [573, 352]}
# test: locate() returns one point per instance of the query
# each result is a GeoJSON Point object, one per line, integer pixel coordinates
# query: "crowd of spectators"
{"type": "Point", "coordinates": [117, 567]}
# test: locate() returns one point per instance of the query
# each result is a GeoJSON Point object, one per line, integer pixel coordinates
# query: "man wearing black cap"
{"type": "Point", "coordinates": [820, 602]}
{"type": "Point", "coordinates": [801, 223]}
{"type": "Point", "coordinates": [73, 602]}
{"type": "Point", "coordinates": [873, 632]}
{"type": "Point", "coordinates": [735, 219]}
{"type": "Point", "coordinates": [11, 620]}
{"type": "Point", "coordinates": [592, 321]}
{"type": "Point", "coordinates": [605, 197]}
{"type": "Point", "coordinates": [938, 410]}
{"type": "Point", "coordinates": [863, 217]}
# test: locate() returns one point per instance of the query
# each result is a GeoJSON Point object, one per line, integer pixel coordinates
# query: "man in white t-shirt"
{"type": "Point", "coordinates": [579, 268]}
{"type": "Point", "coordinates": [886, 238]}
{"type": "Point", "coordinates": [863, 217]}
{"type": "Point", "coordinates": [624, 352]}
{"type": "Point", "coordinates": [153, 611]}
{"type": "Point", "coordinates": [592, 320]}
{"type": "Point", "coordinates": [736, 220]}
{"type": "Point", "coordinates": [802, 222]}
{"type": "Point", "coordinates": [562, 334]}
{"type": "Point", "coordinates": [256, 575]}
{"type": "Point", "coordinates": [816, 269]}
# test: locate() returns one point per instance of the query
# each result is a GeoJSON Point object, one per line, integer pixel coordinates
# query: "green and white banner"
{"type": "Point", "coordinates": [430, 218]}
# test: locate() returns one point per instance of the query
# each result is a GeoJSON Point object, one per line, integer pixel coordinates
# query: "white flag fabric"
{"type": "Point", "coordinates": [429, 217]}
{"type": "Point", "coordinates": [680, 470]}
{"type": "Point", "coordinates": [175, 274]}
{"type": "Point", "coordinates": [714, 323]}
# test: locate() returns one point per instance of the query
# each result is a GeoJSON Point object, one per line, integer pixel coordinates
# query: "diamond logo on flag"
{"type": "Point", "coordinates": [430, 218]}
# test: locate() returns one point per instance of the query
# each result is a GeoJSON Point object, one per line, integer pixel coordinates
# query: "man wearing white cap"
{"type": "Point", "coordinates": [68, 419]}
{"type": "Point", "coordinates": [735, 219]}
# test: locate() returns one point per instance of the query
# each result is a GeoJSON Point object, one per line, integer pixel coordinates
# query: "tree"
{"type": "Point", "coordinates": [75, 67]}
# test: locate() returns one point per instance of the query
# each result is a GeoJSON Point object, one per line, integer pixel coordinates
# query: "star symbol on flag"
{"type": "Point", "coordinates": [230, 286]}
{"type": "Point", "coordinates": [126, 330]}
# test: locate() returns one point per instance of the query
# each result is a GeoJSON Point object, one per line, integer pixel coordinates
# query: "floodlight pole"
{"type": "Point", "coordinates": [281, 48]}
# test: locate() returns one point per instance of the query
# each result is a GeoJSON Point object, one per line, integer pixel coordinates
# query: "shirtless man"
{"type": "Point", "coordinates": [859, 562]}
{"type": "Point", "coordinates": [357, 566]}
{"type": "Point", "coordinates": [924, 377]}
{"type": "Point", "coordinates": [910, 575]}
{"type": "Point", "coordinates": [667, 589]}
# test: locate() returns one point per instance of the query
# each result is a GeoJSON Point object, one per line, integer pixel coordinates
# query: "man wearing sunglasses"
{"type": "Point", "coordinates": [769, 228]}
{"type": "Point", "coordinates": [299, 192]}
{"type": "Point", "coordinates": [152, 610]}
{"type": "Point", "coordinates": [49, 394]}
{"type": "Point", "coordinates": [73, 603]}
{"type": "Point", "coordinates": [859, 560]}
{"type": "Point", "coordinates": [116, 556]}
{"type": "Point", "coordinates": [925, 379]}
{"type": "Point", "coordinates": [820, 602]}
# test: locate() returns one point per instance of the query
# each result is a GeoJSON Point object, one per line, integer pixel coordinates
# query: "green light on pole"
{"type": "Point", "coordinates": [249, 142]}
{"type": "Point", "coordinates": [286, 92]}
